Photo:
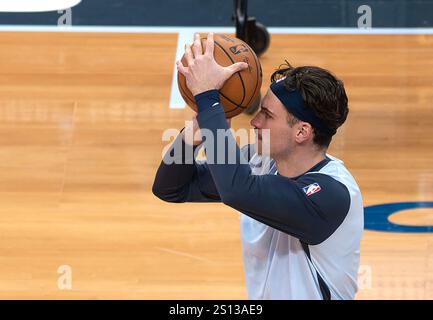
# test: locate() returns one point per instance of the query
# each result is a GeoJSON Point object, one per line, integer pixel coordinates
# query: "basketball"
{"type": "Point", "coordinates": [239, 91]}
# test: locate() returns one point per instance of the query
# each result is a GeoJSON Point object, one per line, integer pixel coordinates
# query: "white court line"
{"type": "Point", "coordinates": [372, 31]}
{"type": "Point", "coordinates": [162, 29]}
{"type": "Point", "coordinates": [185, 35]}
{"type": "Point", "coordinates": [176, 100]}
{"type": "Point", "coordinates": [184, 254]}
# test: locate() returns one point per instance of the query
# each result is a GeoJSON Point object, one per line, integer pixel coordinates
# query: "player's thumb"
{"type": "Point", "coordinates": [236, 67]}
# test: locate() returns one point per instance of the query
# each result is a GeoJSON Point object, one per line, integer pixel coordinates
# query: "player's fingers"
{"type": "Point", "coordinates": [238, 66]}
{"type": "Point", "coordinates": [210, 44]}
{"type": "Point", "coordinates": [197, 48]}
{"type": "Point", "coordinates": [181, 68]}
{"type": "Point", "coordinates": [188, 54]}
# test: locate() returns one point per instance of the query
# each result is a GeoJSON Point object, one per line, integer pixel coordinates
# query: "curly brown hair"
{"type": "Point", "coordinates": [321, 91]}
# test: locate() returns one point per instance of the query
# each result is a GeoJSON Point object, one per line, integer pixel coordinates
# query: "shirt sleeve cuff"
{"type": "Point", "coordinates": [207, 99]}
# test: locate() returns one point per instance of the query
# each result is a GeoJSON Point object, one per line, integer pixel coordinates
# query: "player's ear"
{"type": "Point", "coordinates": [304, 132]}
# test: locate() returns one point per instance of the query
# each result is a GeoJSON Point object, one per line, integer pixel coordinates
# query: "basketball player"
{"type": "Point", "coordinates": [302, 212]}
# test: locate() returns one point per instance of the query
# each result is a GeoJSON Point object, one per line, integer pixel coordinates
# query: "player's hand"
{"type": "Point", "coordinates": [191, 135]}
{"type": "Point", "coordinates": [203, 73]}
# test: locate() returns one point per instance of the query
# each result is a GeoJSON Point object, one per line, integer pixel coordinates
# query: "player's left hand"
{"type": "Point", "coordinates": [203, 72]}
{"type": "Point", "coordinates": [191, 134]}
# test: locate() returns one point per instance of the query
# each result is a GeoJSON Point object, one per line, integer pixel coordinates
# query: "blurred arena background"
{"type": "Point", "coordinates": [86, 94]}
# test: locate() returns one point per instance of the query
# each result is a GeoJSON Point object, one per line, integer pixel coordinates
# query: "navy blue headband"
{"type": "Point", "coordinates": [294, 103]}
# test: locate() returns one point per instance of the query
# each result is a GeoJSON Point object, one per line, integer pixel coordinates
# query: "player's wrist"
{"type": "Point", "coordinates": [196, 92]}
{"type": "Point", "coordinates": [207, 99]}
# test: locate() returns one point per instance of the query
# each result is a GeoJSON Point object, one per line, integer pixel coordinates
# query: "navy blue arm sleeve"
{"type": "Point", "coordinates": [184, 180]}
{"type": "Point", "coordinates": [277, 201]}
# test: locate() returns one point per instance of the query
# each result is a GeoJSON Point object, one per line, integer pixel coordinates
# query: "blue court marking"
{"type": "Point", "coordinates": [376, 217]}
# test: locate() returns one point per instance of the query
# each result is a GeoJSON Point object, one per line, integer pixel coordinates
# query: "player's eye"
{"type": "Point", "coordinates": [263, 111]}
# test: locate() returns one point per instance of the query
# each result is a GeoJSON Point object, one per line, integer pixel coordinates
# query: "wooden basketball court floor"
{"type": "Point", "coordinates": [81, 120]}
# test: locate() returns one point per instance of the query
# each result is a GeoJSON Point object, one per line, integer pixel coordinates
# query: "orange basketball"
{"type": "Point", "coordinates": [242, 89]}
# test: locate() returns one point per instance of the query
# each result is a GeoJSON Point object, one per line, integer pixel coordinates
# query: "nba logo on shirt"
{"type": "Point", "coordinates": [311, 189]}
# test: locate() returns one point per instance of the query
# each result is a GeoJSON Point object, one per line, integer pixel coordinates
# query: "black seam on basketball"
{"type": "Point", "coordinates": [225, 111]}
{"type": "Point", "coordinates": [230, 100]}
{"type": "Point", "coordinates": [193, 102]}
{"type": "Point", "coordinates": [232, 111]}
{"type": "Point", "coordinates": [257, 82]}
{"type": "Point", "coordinates": [236, 106]}
{"type": "Point", "coordinates": [242, 81]}
{"type": "Point", "coordinates": [257, 79]}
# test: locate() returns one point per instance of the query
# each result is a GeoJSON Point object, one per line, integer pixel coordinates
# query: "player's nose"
{"type": "Point", "coordinates": [255, 122]}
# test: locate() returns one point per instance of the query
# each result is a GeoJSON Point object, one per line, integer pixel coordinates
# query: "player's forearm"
{"type": "Point", "coordinates": [230, 177]}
